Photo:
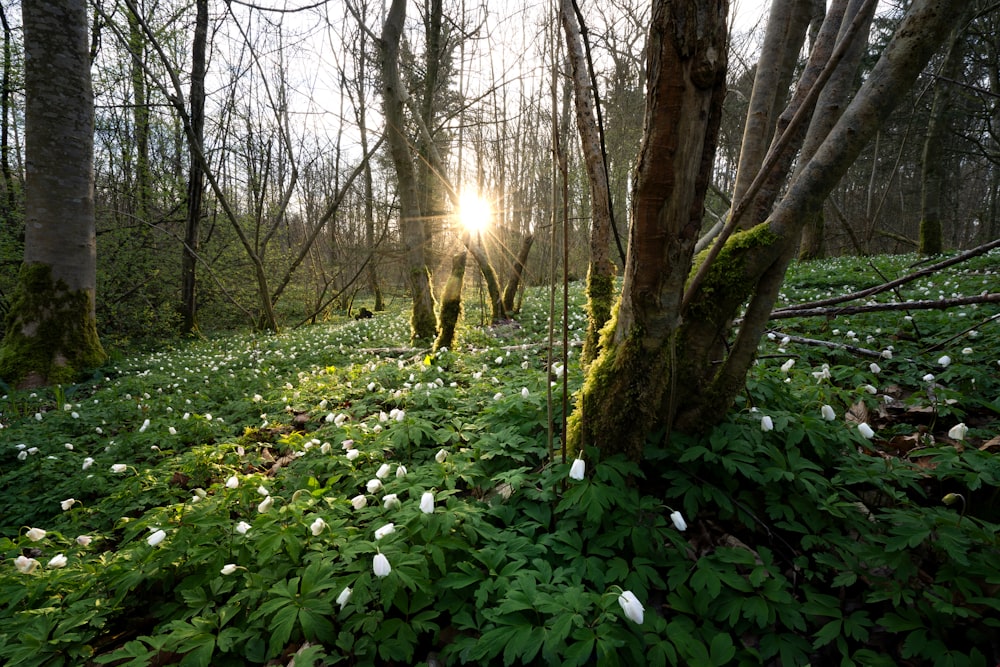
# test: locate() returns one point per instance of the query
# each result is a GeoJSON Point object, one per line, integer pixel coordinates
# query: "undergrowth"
{"type": "Point", "coordinates": [327, 496]}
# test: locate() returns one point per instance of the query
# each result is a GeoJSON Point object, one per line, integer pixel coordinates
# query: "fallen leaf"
{"type": "Point", "coordinates": [857, 413]}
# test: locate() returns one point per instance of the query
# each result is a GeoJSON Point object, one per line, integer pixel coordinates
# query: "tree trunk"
{"type": "Point", "coordinates": [10, 191]}
{"type": "Point", "coordinates": [664, 368]}
{"type": "Point", "coordinates": [621, 400]}
{"type": "Point", "coordinates": [753, 264]}
{"type": "Point", "coordinates": [783, 39]}
{"type": "Point", "coordinates": [601, 271]}
{"type": "Point", "coordinates": [836, 51]}
{"type": "Point", "coordinates": [934, 170]}
{"type": "Point", "coordinates": [497, 311]}
{"type": "Point", "coordinates": [140, 118]}
{"type": "Point", "coordinates": [829, 107]}
{"type": "Point", "coordinates": [514, 283]}
{"type": "Point", "coordinates": [196, 177]}
{"type": "Point", "coordinates": [369, 193]}
{"type": "Point", "coordinates": [451, 300]}
{"type": "Point", "coordinates": [423, 324]}
{"type": "Point", "coordinates": [51, 329]}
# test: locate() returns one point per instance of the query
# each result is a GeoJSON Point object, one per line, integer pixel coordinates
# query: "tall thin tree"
{"type": "Point", "coordinates": [196, 176]}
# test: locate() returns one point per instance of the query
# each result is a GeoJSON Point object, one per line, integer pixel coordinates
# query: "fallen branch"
{"type": "Point", "coordinates": [932, 304]}
{"type": "Point", "coordinates": [853, 349]}
{"type": "Point", "coordinates": [878, 289]}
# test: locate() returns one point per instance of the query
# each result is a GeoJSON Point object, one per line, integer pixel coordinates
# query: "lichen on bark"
{"type": "Point", "coordinates": [51, 334]}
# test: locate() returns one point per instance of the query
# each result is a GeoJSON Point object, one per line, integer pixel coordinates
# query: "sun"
{"type": "Point", "coordinates": [474, 212]}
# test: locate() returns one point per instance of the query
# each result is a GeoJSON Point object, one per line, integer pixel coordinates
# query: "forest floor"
{"type": "Point", "coordinates": [330, 495]}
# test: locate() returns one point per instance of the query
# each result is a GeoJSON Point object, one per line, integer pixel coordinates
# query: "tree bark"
{"type": "Point", "coordinates": [756, 261]}
{"type": "Point", "coordinates": [829, 107]}
{"type": "Point", "coordinates": [51, 328]}
{"type": "Point", "coordinates": [934, 170]}
{"type": "Point", "coordinates": [783, 39]}
{"type": "Point", "coordinates": [423, 324]}
{"type": "Point", "coordinates": [514, 283]}
{"type": "Point", "coordinates": [621, 400]}
{"type": "Point", "coordinates": [196, 177]}
{"type": "Point", "coordinates": [601, 270]}
{"type": "Point", "coordinates": [10, 191]}
{"type": "Point", "coordinates": [664, 368]}
{"type": "Point", "coordinates": [140, 118]}
{"type": "Point", "coordinates": [451, 300]}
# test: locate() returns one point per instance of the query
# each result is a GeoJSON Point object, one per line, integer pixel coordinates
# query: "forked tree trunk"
{"type": "Point", "coordinates": [51, 329]}
{"type": "Point", "coordinates": [664, 368]}
{"type": "Point", "coordinates": [753, 265]}
{"type": "Point", "coordinates": [685, 85]}
{"type": "Point", "coordinates": [601, 270]}
{"type": "Point", "coordinates": [423, 323]}
{"type": "Point", "coordinates": [514, 283]}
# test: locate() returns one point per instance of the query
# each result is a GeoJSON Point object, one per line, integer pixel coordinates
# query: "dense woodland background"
{"type": "Point", "coordinates": [292, 126]}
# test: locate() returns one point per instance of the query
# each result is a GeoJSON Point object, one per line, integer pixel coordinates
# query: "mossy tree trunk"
{"type": "Point", "coordinates": [451, 300]}
{"type": "Point", "coordinates": [685, 86]}
{"type": "Point", "coordinates": [601, 270]}
{"type": "Point", "coordinates": [423, 323]}
{"type": "Point", "coordinates": [661, 366]}
{"type": "Point", "coordinates": [51, 332]}
{"type": "Point", "coordinates": [514, 282]}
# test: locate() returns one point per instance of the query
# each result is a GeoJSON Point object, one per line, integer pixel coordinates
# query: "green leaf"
{"type": "Point", "coordinates": [579, 652]}
{"type": "Point", "coordinates": [828, 633]}
{"type": "Point", "coordinates": [706, 579]}
{"type": "Point", "coordinates": [721, 649]}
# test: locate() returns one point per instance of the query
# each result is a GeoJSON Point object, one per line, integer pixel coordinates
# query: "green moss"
{"type": "Point", "coordinates": [930, 238]}
{"type": "Point", "coordinates": [726, 285]}
{"type": "Point", "coordinates": [423, 321]}
{"type": "Point", "coordinates": [51, 335]}
{"type": "Point", "coordinates": [618, 405]}
{"type": "Point", "coordinates": [600, 297]}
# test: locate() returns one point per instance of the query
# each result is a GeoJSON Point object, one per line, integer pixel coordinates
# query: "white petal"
{"type": "Point", "coordinates": [427, 503]}
{"type": "Point", "coordinates": [380, 566]}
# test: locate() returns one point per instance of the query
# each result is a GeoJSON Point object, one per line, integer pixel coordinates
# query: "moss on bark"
{"type": "Point", "coordinates": [637, 377]}
{"type": "Point", "coordinates": [600, 297]}
{"type": "Point", "coordinates": [451, 302]}
{"type": "Point", "coordinates": [930, 237]}
{"type": "Point", "coordinates": [51, 334]}
{"type": "Point", "coordinates": [423, 321]}
{"type": "Point", "coordinates": [728, 284]}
